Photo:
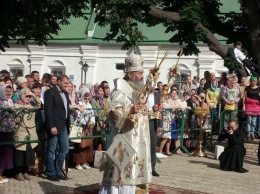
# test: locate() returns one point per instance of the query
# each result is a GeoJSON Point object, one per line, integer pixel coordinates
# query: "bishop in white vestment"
{"type": "Point", "coordinates": [128, 163]}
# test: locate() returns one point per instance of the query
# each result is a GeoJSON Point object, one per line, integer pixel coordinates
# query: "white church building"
{"type": "Point", "coordinates": [81, 43]}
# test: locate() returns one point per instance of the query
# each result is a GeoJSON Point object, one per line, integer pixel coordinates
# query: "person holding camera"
{"type": "Point", "coordinates": [232, 157]}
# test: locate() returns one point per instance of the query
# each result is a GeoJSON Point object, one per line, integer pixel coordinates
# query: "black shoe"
{"type": "Point", "coordinates": [243, 170]}
{"type": "Point", "coordinates": [154, 173]}
{"type": "Point", "coordinates": [62, 177]}
{"type": "Point", "coordinates": [53, 178]}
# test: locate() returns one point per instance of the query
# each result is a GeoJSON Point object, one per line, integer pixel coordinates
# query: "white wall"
{"type": "Point", "coordinates": [102, 60]}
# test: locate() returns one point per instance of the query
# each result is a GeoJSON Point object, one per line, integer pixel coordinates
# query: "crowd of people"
{"type": "Point", "coordinates": [53, 103]}
{"type": "Point", "coordinates": [226, 95]}
{"type": "Point", "coordinates": [33, 112]}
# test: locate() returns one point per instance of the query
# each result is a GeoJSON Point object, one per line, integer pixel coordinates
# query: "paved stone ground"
{"type": "Point", "coordinates": [179, 174]}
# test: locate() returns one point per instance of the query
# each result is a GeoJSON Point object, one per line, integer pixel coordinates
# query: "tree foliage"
{"type": "Point", "coordinates": [36, 19]}
{"type": "Point", "coordinates": [189, 21]}
{"type": "Point", "coordinates": [181, 18]}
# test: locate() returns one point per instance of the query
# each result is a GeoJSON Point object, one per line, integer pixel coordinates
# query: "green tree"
{"type": "Point", "coordinates": [36, 20]}
{"type": "Point", "coordinates": [190, 21]}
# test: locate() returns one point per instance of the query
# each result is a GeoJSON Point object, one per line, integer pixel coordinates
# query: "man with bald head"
{"type": "Point", "coordinates": [232, 157]}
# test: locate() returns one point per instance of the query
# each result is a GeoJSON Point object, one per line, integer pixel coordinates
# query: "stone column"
{"type": "Point", "coordinates": [36, 58]}
{"type": "Point", "coordinates": [204, 65]}
{"type": "Point", "coordinates": [89, 56]}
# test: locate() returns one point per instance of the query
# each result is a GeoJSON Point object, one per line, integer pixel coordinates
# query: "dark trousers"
{"type": "Point", "coordinates": [153, 137]}
{"type": "Point", "coordinates": [254, 68]}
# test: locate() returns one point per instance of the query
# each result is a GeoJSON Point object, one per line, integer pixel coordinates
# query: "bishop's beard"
{"type": "Point", "coordinates": [137, 84]}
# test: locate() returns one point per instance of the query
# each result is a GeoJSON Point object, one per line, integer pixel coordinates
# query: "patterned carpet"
{"type": "Point", "coordinates": [153, 189]}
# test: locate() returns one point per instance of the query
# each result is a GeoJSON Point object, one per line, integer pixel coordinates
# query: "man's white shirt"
{"type": "Point", "coordinates": [239, 55]}
{"type": "Point", "coordinates": [151, 102]}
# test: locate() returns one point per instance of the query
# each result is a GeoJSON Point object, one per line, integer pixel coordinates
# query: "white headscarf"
{"type": "Point", "coordinates": [9, 101]}
{"type": "Point", "coordinates": [82, 92]}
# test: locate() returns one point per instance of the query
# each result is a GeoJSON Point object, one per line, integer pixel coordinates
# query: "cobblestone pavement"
{"type": "Point", "coordinates": [181, 173]}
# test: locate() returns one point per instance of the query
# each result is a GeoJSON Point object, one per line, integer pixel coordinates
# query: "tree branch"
{"type": "Point", "coordinates": [212, 42]}
{"type": "Point", "coordinates": [164, 15]}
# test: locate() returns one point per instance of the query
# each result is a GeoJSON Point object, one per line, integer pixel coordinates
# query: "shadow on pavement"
{"type": "Point", "coordinates": [208, 164]}
{"type": "Point", "coordinates": [250, 161]}
{"type": "Point", "coordinates": [94, 188]}
{"type": "Point", "coordinates": [89, 189]}
{"type": "Point", "coordinates": [49, 187]}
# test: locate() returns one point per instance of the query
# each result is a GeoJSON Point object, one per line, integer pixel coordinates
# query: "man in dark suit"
{"type": "Point", "coordinates": [232, 157]}
{"type": "Point", "coordinates": [57, 118]}
{"type": "Point", "coordinates": [155, 124]}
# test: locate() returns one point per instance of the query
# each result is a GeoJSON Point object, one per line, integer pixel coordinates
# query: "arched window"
{"type": "Point", "coordinates": [184, 71]}
{"type": "Point", "coordinates": [57, 68]}
{"type": "Point", "coordinates": [15, 67]}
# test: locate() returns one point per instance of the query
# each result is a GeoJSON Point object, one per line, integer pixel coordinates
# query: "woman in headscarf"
{"type": "Point", "coordinates": [24, 154]}
{"type": "Point", "coordinates": [7, 128]}
{"type": "Point", "coordinates": [82, 156]}
{"type": "Point", "coordinates": [98, 101]}
{"type": "Point", "coordinates": [81, 91]}
{"type": "Point", "coordinates": [213, 96]}
{"type": "Point", "coordinates": [21, 84]}
{"type": "Point", "coordinates": [251, 107]}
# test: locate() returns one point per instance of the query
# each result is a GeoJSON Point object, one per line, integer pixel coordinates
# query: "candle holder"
{"type": "Point", "coordinates": [202, 115]}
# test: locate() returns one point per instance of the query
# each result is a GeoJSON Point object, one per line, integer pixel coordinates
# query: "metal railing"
{"type": "Point", "coordinates": [181, 117]}
{"type": "Point", "coordinates": [28, 140]}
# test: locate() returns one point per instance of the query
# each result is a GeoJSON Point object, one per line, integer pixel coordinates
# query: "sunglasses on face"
{"type": "Point", "coordinates": [86, 98]}
{"type": "Point", "coordinates": [28, 96]}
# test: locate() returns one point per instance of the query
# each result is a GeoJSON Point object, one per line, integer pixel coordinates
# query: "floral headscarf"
{"type": "Point", "coordinates": [95, 94]}
{"type": "Point", "coordinates": [9, 101]}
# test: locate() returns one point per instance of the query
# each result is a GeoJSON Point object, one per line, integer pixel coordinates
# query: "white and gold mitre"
{"type": "Point", "coordinates": [134, 62]}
